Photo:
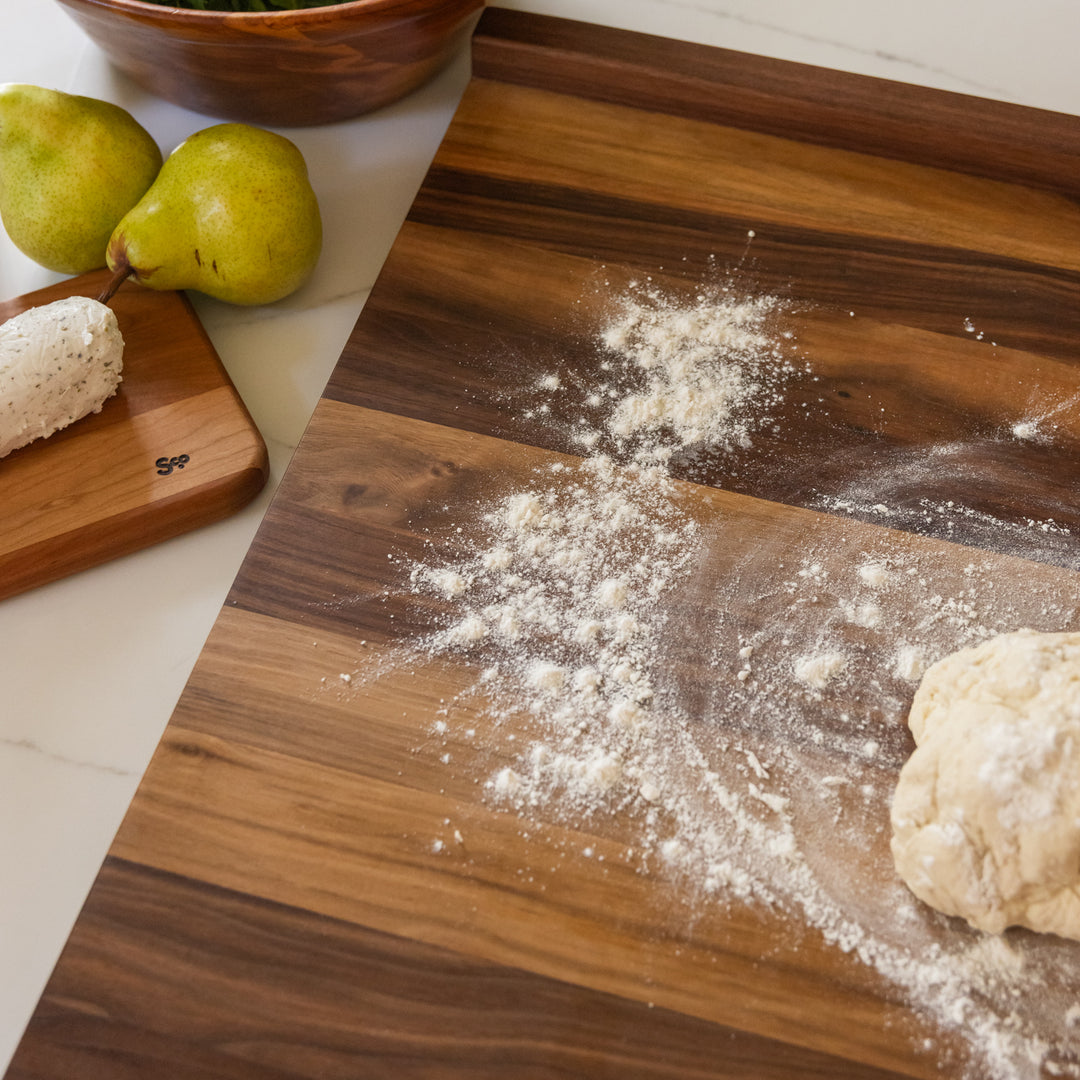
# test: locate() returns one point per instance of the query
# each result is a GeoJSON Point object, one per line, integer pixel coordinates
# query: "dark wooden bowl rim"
{"type": "Point", "coordinates": [307, 16]}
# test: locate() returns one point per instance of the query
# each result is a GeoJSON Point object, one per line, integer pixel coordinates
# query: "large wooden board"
{"type": "Point", "coordinates": [174, 449]}
{"type": "Point", "coordinates": [316, 877]}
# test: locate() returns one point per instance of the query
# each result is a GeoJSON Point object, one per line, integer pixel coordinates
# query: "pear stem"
{"type": "Point", "coordinates": [122, 272]}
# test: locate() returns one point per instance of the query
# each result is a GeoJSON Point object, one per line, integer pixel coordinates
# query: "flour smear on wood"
{"type": "Point", "coordinates": [683, 729]}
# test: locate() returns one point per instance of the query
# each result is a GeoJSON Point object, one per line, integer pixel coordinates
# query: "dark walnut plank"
{"type": "Point", "coordinates": [467, 342]}
{"type": "Point", "coordinates": [630, 153]}
{"type": "Point", "coordinates": [381, 492]}
{"type": "Point", "coordinates": [917, 283]}
{"type": "Point", "coordinates": [155, 956]}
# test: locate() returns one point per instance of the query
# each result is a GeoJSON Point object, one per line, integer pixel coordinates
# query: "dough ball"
{"type": "Point", "coordinates": [986, 814]}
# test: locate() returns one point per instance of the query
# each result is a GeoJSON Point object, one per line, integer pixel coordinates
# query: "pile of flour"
{"type": "Point", "coordinates": [710, 371]}
{"type": "Point", "coordinates": [572, 603]}
{"type": "Point", "coordinates": [697, 375]}
{"type": "Point", "coordinates": [565, 602]}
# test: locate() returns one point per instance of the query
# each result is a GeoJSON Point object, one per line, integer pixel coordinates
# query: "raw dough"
{"type": "Point", "coordinates": [986, 814]}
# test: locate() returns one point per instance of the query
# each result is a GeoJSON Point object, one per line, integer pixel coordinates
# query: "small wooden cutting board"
{"type": "Point", "coordinates": [174, 449]}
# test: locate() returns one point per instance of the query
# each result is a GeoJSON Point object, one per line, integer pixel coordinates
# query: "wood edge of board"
{"type": "Point", "coordinates": [122, 534]}
{"type": "Point", "coordinates": [942, 128]}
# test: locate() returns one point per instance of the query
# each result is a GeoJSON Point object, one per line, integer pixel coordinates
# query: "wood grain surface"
{"type": "Point", "coordinates": [95, 490]}
{"type": "Point", "coordinates": [314, 879]}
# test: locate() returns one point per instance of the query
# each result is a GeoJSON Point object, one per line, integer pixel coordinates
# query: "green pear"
{"type": "Point", "coordinates": [70, 168]}
{"type": "Point", "coordinates": [231, 214]}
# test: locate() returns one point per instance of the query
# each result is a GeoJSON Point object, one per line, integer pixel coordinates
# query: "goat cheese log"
{"type": "Point", "coordinates": [58, 363]}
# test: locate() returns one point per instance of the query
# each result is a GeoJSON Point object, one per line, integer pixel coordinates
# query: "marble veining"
{"type": "Point", "coordinates": [908, 65]}
{"type": "Point", "coordinates": [8, 745]}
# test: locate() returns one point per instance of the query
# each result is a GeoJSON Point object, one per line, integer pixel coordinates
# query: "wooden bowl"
{"type": "Point", "coordinates": [285, 68]}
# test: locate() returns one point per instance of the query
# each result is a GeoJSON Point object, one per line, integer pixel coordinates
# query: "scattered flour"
{"type": "Point", "coordinates": [894, 490]}
{"type": "Point", "coordinates": [911, 662]}
{"type": "Point", "coordinates": [874, 574]}
{"type": "Point", "coordinates": [682, 377]}
{"type": "Point", "coordinates": [570, 615]}
{"type": "Point", "coordinates": [568, 603]}
{"type": "Point", "coordinates": [820, 669]}
{"type": "Point", "coordinates": [702, 366]}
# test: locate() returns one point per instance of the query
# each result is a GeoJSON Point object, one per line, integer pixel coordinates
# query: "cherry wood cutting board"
{"type": "Point", "coordinates": [317, 877]}
{"type": "Point", "coordinates": [173, 449]}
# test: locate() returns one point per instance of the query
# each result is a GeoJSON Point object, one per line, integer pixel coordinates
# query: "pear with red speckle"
{"type": "Point", "coordinates": [231, 214]}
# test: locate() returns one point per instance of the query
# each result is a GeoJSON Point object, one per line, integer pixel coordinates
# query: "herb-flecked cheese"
{"type": "Point", "coordinates": [58, 363]}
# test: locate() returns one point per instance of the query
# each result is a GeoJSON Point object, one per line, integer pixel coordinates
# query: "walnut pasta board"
{"type": "Point", "coordinates": [174, 449]}
{"type": "Point", "coordinates": [550, 726]}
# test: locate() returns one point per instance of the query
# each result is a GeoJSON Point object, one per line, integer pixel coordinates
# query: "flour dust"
{"type": "Point", "coordinates": [740, 740]}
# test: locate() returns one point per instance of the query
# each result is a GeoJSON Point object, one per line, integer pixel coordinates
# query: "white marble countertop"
{"type": "Point", "coordinates": [91, 667]}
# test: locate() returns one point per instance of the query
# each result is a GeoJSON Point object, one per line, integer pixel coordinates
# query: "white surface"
{"type": "Point", "coordinates": [91, 667]}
